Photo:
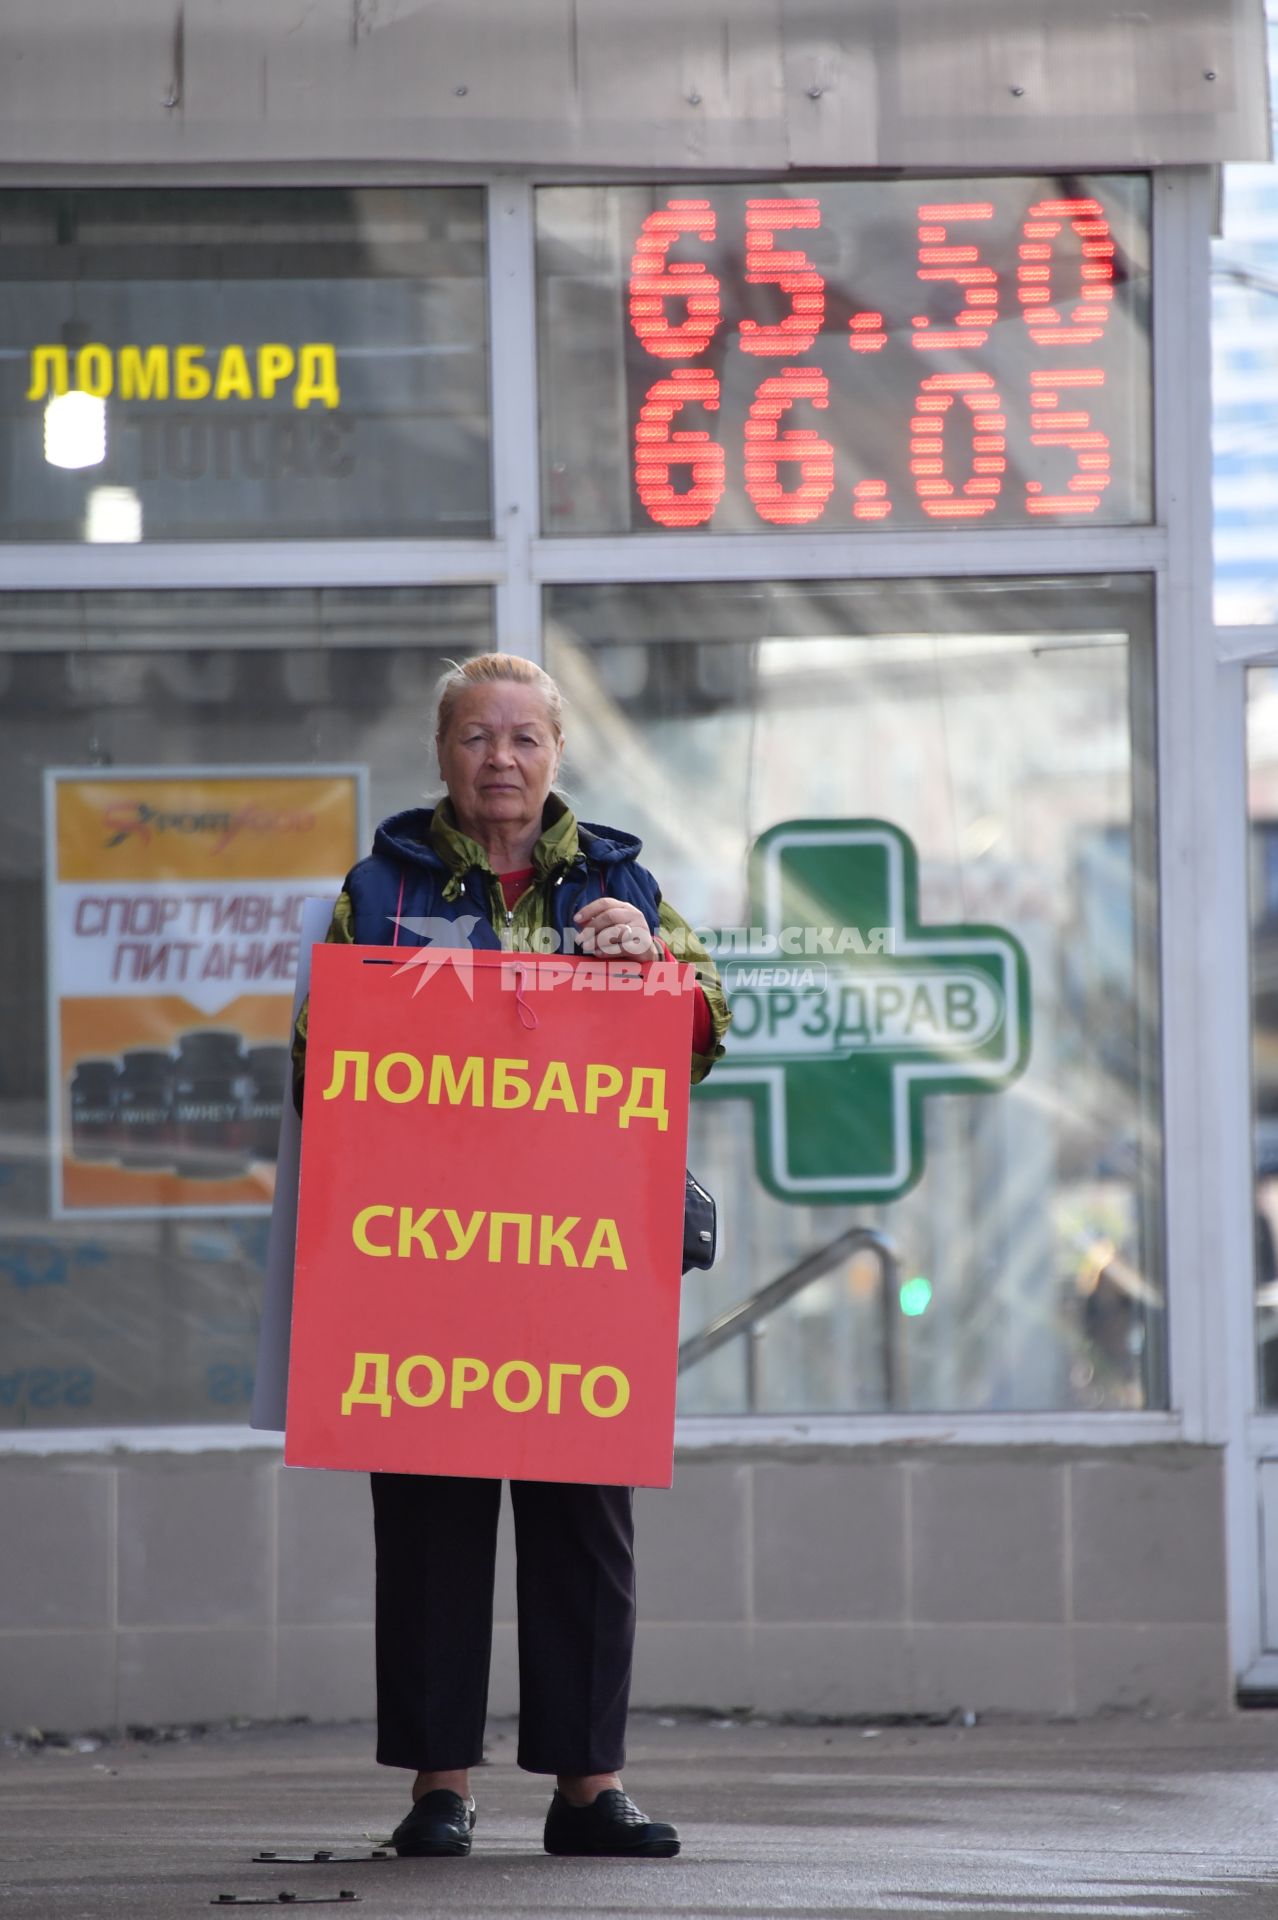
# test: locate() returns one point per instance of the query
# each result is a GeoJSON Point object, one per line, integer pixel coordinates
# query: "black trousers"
{"type": "Point", "coordinates": [436, 1551]}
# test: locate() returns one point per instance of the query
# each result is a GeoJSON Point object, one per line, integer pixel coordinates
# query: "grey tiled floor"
{"type": "Point", "coordinates": [1122, 1816]}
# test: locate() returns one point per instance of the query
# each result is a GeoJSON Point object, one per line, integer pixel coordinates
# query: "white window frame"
{"type": "Point", "coordinates": [1204, 1045]}
{"type": "Point", "coordinates": [1251, 1433]}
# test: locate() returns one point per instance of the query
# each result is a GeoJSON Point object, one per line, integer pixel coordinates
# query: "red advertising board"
{"type": "Point", "coordinates": [490, 1216]}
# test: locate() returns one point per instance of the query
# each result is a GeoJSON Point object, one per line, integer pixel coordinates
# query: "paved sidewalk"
{"type": "Point", "coordinates": [1123, 1816]}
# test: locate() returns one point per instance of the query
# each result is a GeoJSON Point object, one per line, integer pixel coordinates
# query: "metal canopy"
{"type": "Point", "coordinates": [651, 84]}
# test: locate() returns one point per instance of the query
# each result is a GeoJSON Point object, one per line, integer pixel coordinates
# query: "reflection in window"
{"type": "Point", "coordinates": [141, 1321]}
{"type": "Point", "coordinates": [1262, 807]}
{"type": "Point", "coordinates": [1244, 339]}
{"type": "Point", "coordinates": [243, 364]}
{"type": "Point", "coordinates": [1006, 728]}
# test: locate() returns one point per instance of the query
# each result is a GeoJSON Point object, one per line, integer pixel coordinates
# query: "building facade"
{"type": "Point", "coordinates": [824, 395]}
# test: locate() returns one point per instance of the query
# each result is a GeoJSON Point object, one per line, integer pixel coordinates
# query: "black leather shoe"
{"type": "Point", "coordinates": [611, 1824]}
{"type": "Point", "coordinates": [439, 1824]}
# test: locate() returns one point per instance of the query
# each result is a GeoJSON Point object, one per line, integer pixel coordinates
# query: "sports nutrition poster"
{"type": "Point", "coordinates": [174, 902]}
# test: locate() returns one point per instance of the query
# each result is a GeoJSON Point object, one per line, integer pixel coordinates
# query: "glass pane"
{"type": "Point", "coordinates": [845, 355]}
{"type": "Point", "coordinates": [243, 364]}
{"type": "Point", "coordinates": [1262, 806]}
{"type": "Point", "coordinates": [1244, 329]}
{"type": "Point", "coordinates": [145, 1313]}
{"type": "Point", "coordinates": [999, 735]}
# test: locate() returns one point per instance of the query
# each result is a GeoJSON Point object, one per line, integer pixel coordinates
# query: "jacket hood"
{"type": "Point", "coordinates": [430, 837]}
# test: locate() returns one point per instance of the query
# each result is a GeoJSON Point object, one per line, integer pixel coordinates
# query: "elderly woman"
{"type": "Point", "coordinates": [502, 857]}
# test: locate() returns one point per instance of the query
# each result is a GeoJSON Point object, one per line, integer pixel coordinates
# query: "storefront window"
{"type": "Point", "coordinates": [177, 770]}
{"type": "Point", "coordinates": [243, 364]}
{"type": "Point", "coordinates": [800, 759]}
{"type": "Point", "coordinates": [845, 355]}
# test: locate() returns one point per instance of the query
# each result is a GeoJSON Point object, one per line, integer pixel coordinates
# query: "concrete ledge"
{"type": "Point", "coordinates": [905, 1579]}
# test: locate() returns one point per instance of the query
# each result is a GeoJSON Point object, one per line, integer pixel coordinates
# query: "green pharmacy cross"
{"type": "Point", "coordinates": [847, 1012]}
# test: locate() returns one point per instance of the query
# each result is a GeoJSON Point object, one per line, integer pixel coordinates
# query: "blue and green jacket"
{"type": "Point", "coordinates": [433, 883]}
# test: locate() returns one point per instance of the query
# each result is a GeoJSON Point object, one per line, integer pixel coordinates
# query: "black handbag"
{"type": "Point", "coordinates": [700, 1225]}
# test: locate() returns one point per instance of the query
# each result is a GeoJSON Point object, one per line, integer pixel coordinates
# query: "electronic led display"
{"type": "Point", "coordinates": [843, 355]}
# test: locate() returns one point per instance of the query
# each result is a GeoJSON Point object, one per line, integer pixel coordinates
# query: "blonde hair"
{"type": "Point", "coordinates": [484, 669]}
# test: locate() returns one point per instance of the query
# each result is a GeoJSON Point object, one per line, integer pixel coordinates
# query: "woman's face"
{"type": "Point", "coordinates": [499, 758]}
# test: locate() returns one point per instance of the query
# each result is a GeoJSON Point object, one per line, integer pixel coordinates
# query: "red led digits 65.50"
{"type": "Point", "coordinates": [940, 259]}
{"type": "Point", "coordinates": [712, 435]}
{"type": "Point", "coordinates": [793, 272]}
{"type": "Point", "coordinates": [653, 282]}
{"type": "Point", "coordinates": [1034, 274]}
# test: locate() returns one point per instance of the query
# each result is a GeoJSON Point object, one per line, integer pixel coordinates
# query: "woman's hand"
{"type": "Point", "coordinates": [614, 930]}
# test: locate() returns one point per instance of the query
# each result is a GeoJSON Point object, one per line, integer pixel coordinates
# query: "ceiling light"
{"type": "Point", "coordinates": [75, 430]}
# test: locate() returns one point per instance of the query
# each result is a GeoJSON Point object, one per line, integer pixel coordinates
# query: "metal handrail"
{"type": "Point", "coordinates": [744, 1318]}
